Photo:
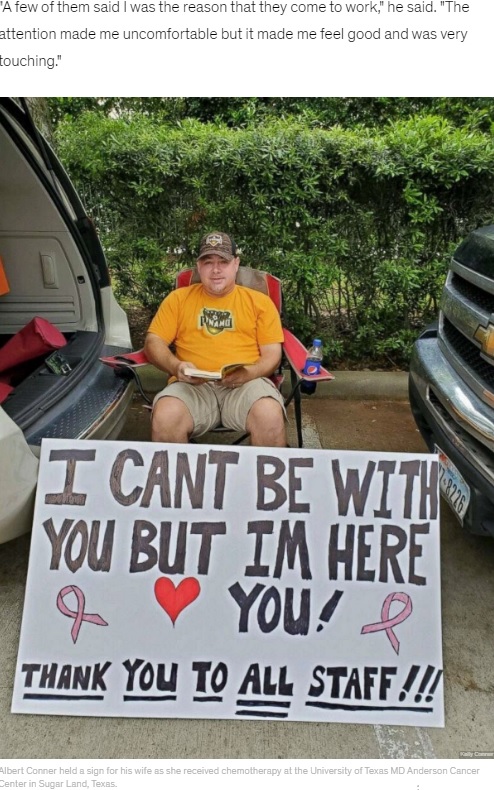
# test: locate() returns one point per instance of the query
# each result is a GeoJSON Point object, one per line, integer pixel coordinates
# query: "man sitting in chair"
{"type": "Point", "coordinates": [211, 324]}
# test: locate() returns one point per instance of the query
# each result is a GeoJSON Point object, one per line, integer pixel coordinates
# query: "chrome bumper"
{"type": "Point", "coordinates": [462, 416]}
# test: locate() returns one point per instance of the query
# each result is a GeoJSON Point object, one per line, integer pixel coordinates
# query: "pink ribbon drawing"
{"type": "Point", "coordinates": [387, 624]}
{"type": "Point", "coordinates": [79, 615]}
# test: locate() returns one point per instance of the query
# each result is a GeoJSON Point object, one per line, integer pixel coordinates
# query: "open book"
{"type": "Point", "coordinates": [215, 374]}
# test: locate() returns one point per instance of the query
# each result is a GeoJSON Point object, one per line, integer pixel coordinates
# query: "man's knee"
{"type": "Point", "coordinates": [266, 423]}
{"type": "Point", "coordinates": [171, 421]}
{"type": "Point", "coordinates": [266, 409]}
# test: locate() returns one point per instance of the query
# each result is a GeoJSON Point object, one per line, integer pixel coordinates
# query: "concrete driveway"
{"type": "Point", "coordinates": [341, 422]}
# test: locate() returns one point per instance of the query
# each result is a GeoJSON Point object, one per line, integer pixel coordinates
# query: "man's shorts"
{"type": "Point", "coordinates": [211, 404]}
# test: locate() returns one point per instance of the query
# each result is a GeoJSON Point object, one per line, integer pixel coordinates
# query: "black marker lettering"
{"type": "Point", "coordinates": [289, 545]}
{"type": "Point", "coordinates": [258, 528]}
{"type": "Point", "coordinates": [116, 477]}
{"type": "Point", "coordinates": [68, 496]}
{"type": "Point", "coordinates": [158, 477]}
{"type": "Point", "coordinates": [295, 484]}
{"type": "Point", "coordinates": [207, 529]}
{"type": "Point", "coordinates": [387, 468]}
{"type": "Point", "coordinates": [352, 489]}
{"type": "Point", "coordinates": [267, 480]}
{"type": "Point", "coordinates": [221, 458]}
{"type": "Point", "coordinates": [196, 487]}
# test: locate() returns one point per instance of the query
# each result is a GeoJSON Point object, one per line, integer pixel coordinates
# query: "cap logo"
{"type": "Point", "coordinates": [214, 240]}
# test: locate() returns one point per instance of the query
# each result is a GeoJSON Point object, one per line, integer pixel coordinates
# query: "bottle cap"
{"type": "Point", "coordinates": [317, 342]}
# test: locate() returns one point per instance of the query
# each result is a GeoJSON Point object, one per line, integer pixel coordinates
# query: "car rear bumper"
{"type": "Point", "coordinates": [95, 408]}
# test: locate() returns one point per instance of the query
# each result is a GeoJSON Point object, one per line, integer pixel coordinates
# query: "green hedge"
{"type": "Point", "coordinates": [358, 223]}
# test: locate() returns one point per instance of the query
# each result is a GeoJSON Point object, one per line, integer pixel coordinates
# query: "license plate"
{"type": "Point", "coordinates": [452, 485]}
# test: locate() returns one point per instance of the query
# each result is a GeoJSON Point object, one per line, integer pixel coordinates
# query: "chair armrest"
{"type": "Point", "coordinates": [296, 355]}
{"type": "Point", "coordinates": [126, 364]}
{"type": "Point", "coordinates": [134, 359]}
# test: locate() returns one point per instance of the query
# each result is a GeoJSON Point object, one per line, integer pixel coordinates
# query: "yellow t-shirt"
{"type": "Point", "coordinates": [212, 331]}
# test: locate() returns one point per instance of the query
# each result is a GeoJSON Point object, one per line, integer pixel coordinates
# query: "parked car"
{"type": "Point", "coordinates": [452, 384]}
{"type": "Point", "coordinates": [52, 268]}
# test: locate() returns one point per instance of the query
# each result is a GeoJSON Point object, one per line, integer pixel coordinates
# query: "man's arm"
{"type": "Point", "coordinates": [268, 362]}
{"type": "Point", "coordinates": [160, 355]}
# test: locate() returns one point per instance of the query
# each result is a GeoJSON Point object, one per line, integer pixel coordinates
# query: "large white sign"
{"type": "Point", "coordinates": [233, 582]}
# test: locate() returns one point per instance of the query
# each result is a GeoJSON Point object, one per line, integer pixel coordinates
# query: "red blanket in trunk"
{"type": "Point", "coordinates": [37, 339]}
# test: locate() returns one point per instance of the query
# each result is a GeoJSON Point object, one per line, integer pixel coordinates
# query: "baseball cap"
{"type": "Point", "coordinates": [217, 243]}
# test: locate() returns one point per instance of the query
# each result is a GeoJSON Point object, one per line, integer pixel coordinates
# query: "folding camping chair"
{"type": "Point", "coordinates": [294, 352]}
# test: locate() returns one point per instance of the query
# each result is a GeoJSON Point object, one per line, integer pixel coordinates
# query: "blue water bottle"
{"type": "Point", "coordinates": [312, 366]}
{"type": "Point", "coordinates": [314, 359]}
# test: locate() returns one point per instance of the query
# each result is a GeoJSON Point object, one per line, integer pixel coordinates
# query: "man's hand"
{"type": "Point", "coordinates": [187, 379]}
{"type": "Point", "coordinates": [238, 377]}
{"type": "Point", "coordinates": [270, 356]}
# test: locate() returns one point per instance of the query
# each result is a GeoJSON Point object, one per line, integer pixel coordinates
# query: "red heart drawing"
{"type": "Point", "coordinates": [173, 599]}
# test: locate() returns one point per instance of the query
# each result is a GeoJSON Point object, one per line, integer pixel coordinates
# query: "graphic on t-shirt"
{"type": "Point", "coordinates": [215, 321]}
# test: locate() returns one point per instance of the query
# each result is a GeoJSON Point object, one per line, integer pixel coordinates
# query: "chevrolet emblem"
{"type": "Point", "coordinates": [485, 336]}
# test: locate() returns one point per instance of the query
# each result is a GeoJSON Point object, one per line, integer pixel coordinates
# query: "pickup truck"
{"type": "Point", "coordinates": [451, 384]}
